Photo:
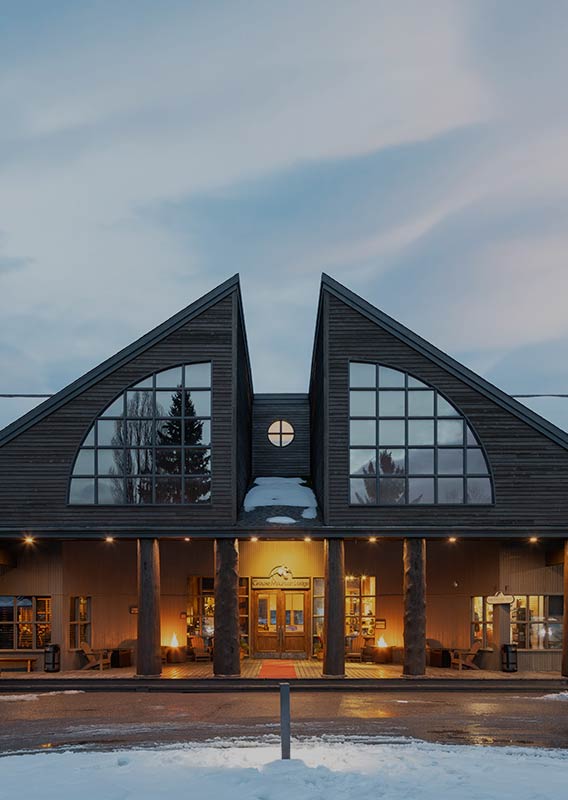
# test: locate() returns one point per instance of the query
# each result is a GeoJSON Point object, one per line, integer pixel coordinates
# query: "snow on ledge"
{"type": "Point", "coordinates": [281, 492]}
{"type": "Point", "coordinates": [281, 520]}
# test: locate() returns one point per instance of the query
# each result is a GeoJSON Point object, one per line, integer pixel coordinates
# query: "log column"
{"type": "Point", "coordinates": [226, 650]}
{"type": "Point", "coordinates": [414, 589]}
{"type": "Point", "coordinates": [334, 619]}
{"type": "Point", "coordinates": [148, 654]}
{"type": "Point", "coordinates": [565, 618]}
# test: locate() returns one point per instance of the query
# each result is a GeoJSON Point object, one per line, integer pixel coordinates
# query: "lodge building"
{"type": "Point", "coordinates": [158, 497]}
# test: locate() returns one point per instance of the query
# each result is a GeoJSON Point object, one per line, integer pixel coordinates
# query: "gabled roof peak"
{"type": "Point", "coordinates": [446, 362]}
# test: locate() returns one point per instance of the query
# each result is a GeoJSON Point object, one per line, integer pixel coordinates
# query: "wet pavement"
{"type": "Point", "coordinates": [110, 720]}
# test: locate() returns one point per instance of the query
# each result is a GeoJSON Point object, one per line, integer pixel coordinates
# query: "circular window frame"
{"type": "Point", "coordinates": [280, 436]}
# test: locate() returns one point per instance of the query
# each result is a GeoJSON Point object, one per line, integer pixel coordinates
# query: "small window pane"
{"type": "Point", "coordinates": [111, 491]}
{"type": "Point", "coordinates": [450, 490]}
{"type": "Point", "coordinates": [147, 383]}
{"type": "Point", "coordinates": [198, 490]}
{"type": "Point", "coordinates": [479, 490]}
{"type": "Point", "coordinates": [414, 383]}
{"type": "Point", "coordinates": [168, 461]}
{"type": "Point", "coordinates": [421, 462]}
{"type": "Point", "coordinates": [392, 432]}
{"type": "Point", "coordinates": [85, 463]}
{"type": "Point", "coordinates": [286, 427]}
{"type": "Point", "coordinates": [169, 379]}
{"type": "Point", "coordinates": [139, 461]}
{"type": "Point", "coordinates": [392, 491]}
{"type": "Point", "coordinates": [198, 375]}
{"type": "Point", "coordinates": [362, 461]}
{"type": "Point", "coordinates": [421, 431]}
{"type": "Point", "coordinates": [168, 490]}
{"type": "Point", "coordinates": [89, 440]}
{"type": "Point", "coordinates": [197, 462]}
{"type": "Point", "coordinates": [82, 491]}
{"type": "Point", "coordinates": [6, 608]}
{"type": "Point", "coordinates": [286, 439]}
{"type": "Point", "coordinates": [450, 431]}
{"type": "Point", "coordinates": [168, 404]}
{"type": "Point", "coordinates": [363, 491]}
{"type": "Point", "coordinates": [110, 433]}
{"type": "Point", "coordinates": [139, 433]}
{"type": "Point", "coordinates": [168, 431]}
{"type": "Point", "coordinates": [198, 404]}
{"type": "Point", "coordinates": [471, 440]}
{"type": "Point", "coordinates": [450, 462]}
{"type": "Point", "coordinates": [362, 375]}
{"type": "Point", "coordinates": [197, 431]}
{"type": "Point", "coordinates": [476, 463]}
{"type": "Point", "coordinates": [116, 409]}
{"type": "Point", "coordinates": [420, 490]}
{"type": "Point", "coordinates": [139, 491]}
{"type": "Point", "coordinates": [391, 404]}
{"type": "Point", "coordinates": [363, 404]}
{"type": "Point", "coordinates": [390, 378]}
{"type": "Point", "coordinates": [140, 404]}
{"type": "Point", "coordinates": [363, 432]}
{"type": "Point", "coordinates": [445, 409]}
{"type": "Point", "coordinates": [391, 462]}
{"type": "Point", "coordinates": [421, 404]}
{"type": "Point", "coordinates": [111, 462]}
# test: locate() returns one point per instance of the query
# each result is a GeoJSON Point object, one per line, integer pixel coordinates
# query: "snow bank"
{"type": "Point", "coordinates": [331, 768]}
{"type": "Point", "coordinates": [280, 492]}
{"type": "Point", "coordinates": [558, 696]}
{"type": "Point", "coordinates": [7, 698]}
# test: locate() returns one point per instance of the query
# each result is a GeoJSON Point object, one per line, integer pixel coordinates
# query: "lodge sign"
{"type": "Point", "coordinates": [280, 578]}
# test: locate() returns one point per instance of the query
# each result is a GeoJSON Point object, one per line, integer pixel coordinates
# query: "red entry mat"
{"type": "Point", "coordinates": [277, 669]}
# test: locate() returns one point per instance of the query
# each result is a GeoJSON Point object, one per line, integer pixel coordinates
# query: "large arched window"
{"type": "Point", "coordinates": [409, 445]}
{"type": "Point", "coordinates": [151, 445]}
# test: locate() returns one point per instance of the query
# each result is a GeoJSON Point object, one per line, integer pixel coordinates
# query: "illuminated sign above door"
{"type": "Point", "coordinates": [280, 577]}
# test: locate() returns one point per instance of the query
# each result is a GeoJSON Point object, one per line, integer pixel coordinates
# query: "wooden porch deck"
{"type": "Point", "coordinates": [250, 669]}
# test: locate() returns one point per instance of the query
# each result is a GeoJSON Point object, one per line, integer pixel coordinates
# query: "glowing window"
{"type": "Point", "coordinates": [280, 433]}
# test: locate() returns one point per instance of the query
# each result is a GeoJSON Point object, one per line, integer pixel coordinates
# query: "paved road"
{"type": "Point", "coordinates": [109, 720]}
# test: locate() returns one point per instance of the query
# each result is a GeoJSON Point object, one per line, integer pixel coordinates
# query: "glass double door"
{"type": "Point", "coordinates": [280, 623]}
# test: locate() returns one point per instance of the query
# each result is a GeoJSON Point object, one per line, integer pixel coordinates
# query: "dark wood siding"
{"type": "Point", "coordinates": [318, 411]}
{"type": "Point", "coordinates": [35, 465]}
{"type": "Point", "coordinates": [530, 470]}
{"type": "Point", "coordinates": [244, 396]}
{"type": "Point", "coordinates": [292, 461]}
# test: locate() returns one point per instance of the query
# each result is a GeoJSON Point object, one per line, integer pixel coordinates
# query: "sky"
{"type": "Point", "coordinates": [417, 152]}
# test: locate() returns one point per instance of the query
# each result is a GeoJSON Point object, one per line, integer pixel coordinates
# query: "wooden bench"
{"type": "Point", "coordinates": [17, 660]}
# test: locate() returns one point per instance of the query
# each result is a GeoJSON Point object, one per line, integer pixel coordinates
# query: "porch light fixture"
{"type": "Point", "coordinates": [109, 539]}
{"type": "Point", "coordinates": [307, 539]}
{"type": "Point", "coordinates": [373, 539]}
{"type": "Point", "coordinates": [533, 539]}
{"type": "Point", "coordinates": [254, 538]}
{"type": "Point", "coordinates": [29, 540]}
{"type": "Point", "coordinates": [187, 539]}
{"type": "Point", "coordinates": [452, 540]}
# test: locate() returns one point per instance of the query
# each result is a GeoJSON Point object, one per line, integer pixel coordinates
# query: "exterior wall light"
{"type": "Point", "coordinates": [187, 539]}
{"type": "Point", "coordinates": [452, 540]}
{"type": "Point", "coordinates": [307, 539]}
{"type": "Point", "coordinates": [109, 539]}
{"type": "Point", "coordinates": [29, 539]}
{"type": "Point", "coordinates": [254, 538]}
{"type": "Point", "coordinates": [533, 539]}
{"type": "Point", "coordinates": [373, 539]}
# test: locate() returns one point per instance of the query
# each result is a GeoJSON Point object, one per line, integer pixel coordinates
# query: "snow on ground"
{"type": "Point", "coordinates": [10, 698]}
{"type": "Point", "coordinates": [558, 696]}
{"type": "Point", "coordinates": [281, 520]}
{"type": "Point", "coordinates": [331, 768]}
{"type": "Point", "coordinates": [280, 492]}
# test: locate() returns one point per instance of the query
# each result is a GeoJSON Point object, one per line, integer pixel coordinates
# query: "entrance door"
{"type": "Point", "coordinates": [280, 623]}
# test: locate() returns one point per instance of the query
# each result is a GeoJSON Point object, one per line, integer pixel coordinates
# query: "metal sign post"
{"type": "Point", "coordinates": [285, 719]}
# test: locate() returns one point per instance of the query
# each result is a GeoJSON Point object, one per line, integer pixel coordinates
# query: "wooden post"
{"type": "Point", "coordinates": [226, 648]}
{"type": "Point", "coordinates": [565, 617]}
{"type": "Point", "coordinates": [414, 607]}
{"type": "Point", "coordinates": [334, 619]}
{"type": "Point", "coordinates": [149, 654]}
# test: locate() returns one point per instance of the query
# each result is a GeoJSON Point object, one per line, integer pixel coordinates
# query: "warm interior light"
{"type": "Point", "coordinates": [382, 642]}
{"type": "Point", "coordinates": [29, 539]}
{"type": "Point", "coordinates": [307, 539]}
{"type": "Point", "coordinates": [363, 577]}
{"type": "Point", "coordinates": [254, 538]}
{"type": "Point", "coordinates": [373, 539]}
{"type": "Point", "coordinates": [452, 539]}
{"type": "Point", "coordinates": [533, 539]}
{"type": "Point", "coordinates": [174, 642]}
{"type": "Point", "coordinates": [109, 539]}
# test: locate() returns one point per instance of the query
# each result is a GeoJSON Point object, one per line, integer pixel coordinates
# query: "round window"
{"type": "Point", "coordinates": [280, 433]}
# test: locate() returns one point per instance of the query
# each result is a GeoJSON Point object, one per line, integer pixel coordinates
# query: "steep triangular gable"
{"type": "Point", "coordinates": [440, 358]}
{"type": "Point", "coordinates": [125, 355]}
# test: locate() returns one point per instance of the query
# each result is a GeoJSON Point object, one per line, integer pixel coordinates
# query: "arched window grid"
{"type": "Point", "coordinates": [151, 445]}
{"type": "Point", "coordinates": [409, 445]}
